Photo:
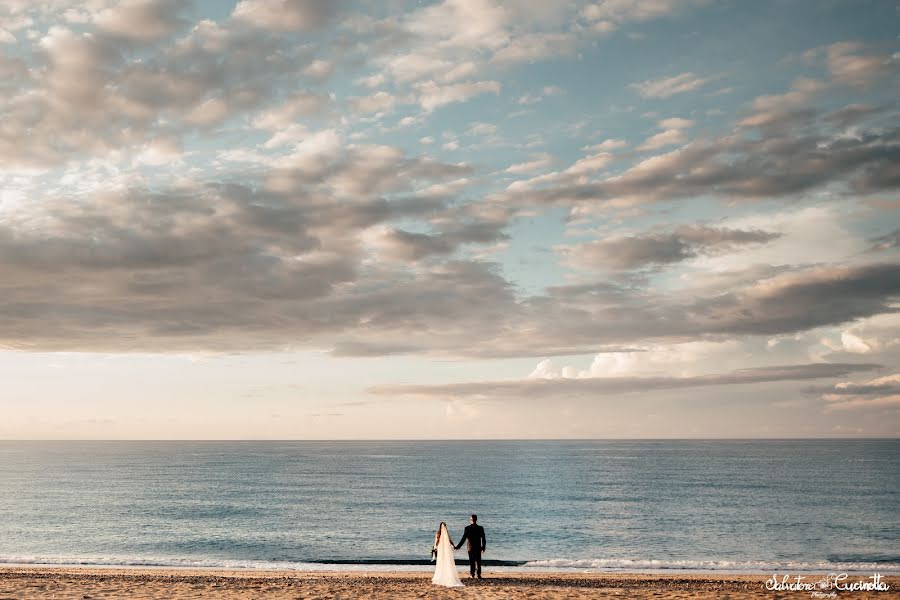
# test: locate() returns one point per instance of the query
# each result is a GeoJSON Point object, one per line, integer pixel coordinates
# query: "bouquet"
{"type": "Point", "coordinates": [433, 553]}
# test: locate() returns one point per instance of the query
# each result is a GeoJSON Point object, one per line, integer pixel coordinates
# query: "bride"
{"type": "Point", "coordinates": [445, 568]}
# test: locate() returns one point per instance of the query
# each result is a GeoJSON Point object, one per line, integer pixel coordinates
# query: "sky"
{"type": "Point", "coordinates": [313, 219]}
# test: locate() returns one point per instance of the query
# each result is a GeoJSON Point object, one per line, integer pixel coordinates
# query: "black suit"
{"type": "Point", "coordinates": [476, 544]}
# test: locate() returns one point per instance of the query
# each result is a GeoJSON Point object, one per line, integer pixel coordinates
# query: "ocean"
{"type": "Point", "coordinates": [755, 506]}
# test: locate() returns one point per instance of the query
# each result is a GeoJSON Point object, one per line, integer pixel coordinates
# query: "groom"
{"type": "Point", "coordinates": [474, 534]}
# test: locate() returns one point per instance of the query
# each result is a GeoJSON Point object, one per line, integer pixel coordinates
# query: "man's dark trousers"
{"type": "Point", "coordinates": [475, 562]}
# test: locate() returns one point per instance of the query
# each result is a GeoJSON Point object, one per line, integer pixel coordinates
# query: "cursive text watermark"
{"type": "Point", "coordinates": [827, 586]}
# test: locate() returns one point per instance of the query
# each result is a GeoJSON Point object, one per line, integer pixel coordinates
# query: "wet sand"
{"type": "Point", "coordinates": [145, 584]}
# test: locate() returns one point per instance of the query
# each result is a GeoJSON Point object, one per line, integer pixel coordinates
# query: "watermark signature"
{"type": "Point", "coordinates": [826, 586]}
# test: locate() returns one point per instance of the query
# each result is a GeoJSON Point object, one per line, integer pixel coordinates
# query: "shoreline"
{"type": "Point", "coordinates": [145, 583]}
{"type": "Point", "coordinates": [415, 569]}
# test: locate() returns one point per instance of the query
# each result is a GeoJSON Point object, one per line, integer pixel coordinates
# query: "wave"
{"type": "Point", "coordinates": [372, 564]}
{"type": "Point", "coordinates": [129, 561]}
{"type": "Point", "coordinates": [618, 564]}
{"type": "Point", "coordinates": [377, 564]}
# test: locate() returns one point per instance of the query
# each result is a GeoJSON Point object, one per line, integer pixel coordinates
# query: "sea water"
{"type": "Point", "coordinates": [756, 506]}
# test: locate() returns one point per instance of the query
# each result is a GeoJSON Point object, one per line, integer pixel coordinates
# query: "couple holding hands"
{"type": "Point", "coordinates": [445, 568]}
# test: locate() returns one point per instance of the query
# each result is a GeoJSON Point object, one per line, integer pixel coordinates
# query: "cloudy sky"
{"type": "Point", "coordinates": [450, 219]}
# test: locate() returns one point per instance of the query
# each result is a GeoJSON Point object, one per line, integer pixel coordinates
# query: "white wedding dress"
{"type": "Point", "coordinates": [445, 570]}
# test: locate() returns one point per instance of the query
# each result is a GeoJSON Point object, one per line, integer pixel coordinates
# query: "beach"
{"type": "Point", "coordinates": [150, 583]}
{"type": "Point", "coordinates": [574, 519]}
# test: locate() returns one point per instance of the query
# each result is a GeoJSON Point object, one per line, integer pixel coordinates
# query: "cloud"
{"type": "Point", "coordinates": [782, 111]}
{"type": "Point", "coordinates": [536, 46]}
{"type": "Point", "coordinates": [848, 67]}
{"type": "Point", "coordinates": [538, 162]}
{"type": "Point", "coordinates": [208, 112]}
{"type": "Point", "coordinates": [233, 267]}
{"type": "Point", "coordinates": [582, 318]}
{"type": "Point", "coordinates": [285, 15]}
{"type": "Point", "coordinates": [606, 146]}
{"type": "Point", "coordinates": [580, 171]}
{"type": "Point", "coordinates": [879, 393]}
{"type": "Point", "coordinates": [888, 241]}
{"type": "Point", "coordinates": [672, 133]}
{"type": "Point", "coordinates": [454, 40]}
{"type": "Point", "coordinates": [660, 248]}
{"type": "Point", "coordinates": [450, 50]}
{"type": "Point", "coordinates": [783, 163]}
{"type": "Point", "coordinates": [142, 20]}
{"type": "Point", "coordinates": [801, 300]}
{"type": "Point", "coordinates": [816, 233]}
{"type": "Point", "coordinates": [545, 92]}
{"type": "Point", "coordinates": [679, 359]}
{"type": "Point", "coordinates": [432, 95]}
{"type": "Point", "coordinates": [285, 114]}
{"type": "Point", "coordinates": [590, 317]}
{"type": "Point", "coordinates": [406, 245]}
{"type": "Point", "coordinates": [852, 114]}
{"type": "Point", "coordinates": [319, 70]}
{"type": "Point", "coordinates": [380, 101]}
{"type": "Point", "coordinates": [406, 68]}
{"type": "Point", "coordinates": [159, 196]}
{"type": "Point", "coordinates": [214, 266]}
{"type": "Point", "coordinates": [101, 94]}
{"type": "Point", "coordinates": [669, 86]}
{"type": "Point", "coordinates": [588, 388]}
{"type": "Point", "coordinates": [355, 171]}
{"type": "Point", "coordinates": [607, 14]}
{"type": "Point", "coordinates": [854, 344]}
{"type": "Point", "coordinates": [469, 23]}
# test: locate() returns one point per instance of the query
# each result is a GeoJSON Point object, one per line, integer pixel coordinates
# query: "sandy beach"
{"type": "Point", "coordinates": [96, 583]}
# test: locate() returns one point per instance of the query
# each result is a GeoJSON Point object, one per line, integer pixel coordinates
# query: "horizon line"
{"type": "Point", "coordinates": [584, 439]}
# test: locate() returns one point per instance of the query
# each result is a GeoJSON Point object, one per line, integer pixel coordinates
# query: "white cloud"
{"type": "Point", "coordinates": [462, 23]}
{"type": "Point", "coordinates": [545, 92]}
{"type": "Point", "coordinates": [878, 393]}
{"type": "Point", "coordinates": [669, 86]}
{"type": "Point", "coordinates": [848, 67]}
{"type": "Point", "coordinates": [536, 46]}
{"type": "Point", "coordinates": [288, 134]}
{"type": "Point", "coordinates": [432, 95]}
{"type": "Point", "coordinates": [161, 151]}
{"type": "Point", "coordinates": [285, 15]}
{"type": "Point", "coordinates": [284, 115]}
{"type": "Point", "coordinates": [774, 109]}
{"type": "Point", "coordinates": [378, 102]}
{"type": "Point", "coordinates": [319, 69]}
{"type": "Point", "coordinates": [810, 235]}
{"type": "Point", "coordinates": [579, 171]}
{"type": "Point", "coordinates": [672, 133]}
{"type": "Point", "coordinates": [481, 129]}
{"type": "Point", "coordinates": [538, 162]}
{"type": "Point", "coordinates": [609, 12]}
{"type": "Point", "coordinates": [606, 146]}
{"type": "Point", "coordinates": [208, 112]}
{"type": "Point", "coordinates": [855, 344]}
{"type": "Point", "coordinates": [687, 359]}
{"type": "Point", "coordinates": [143, 20]}
{"type": "Point", "coordinates": [408, 67]}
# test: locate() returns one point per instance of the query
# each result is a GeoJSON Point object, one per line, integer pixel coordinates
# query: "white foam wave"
{"type": "Point", "coordinates": [197, 563]}
{"type": "Point", "coordinates": [615, 564]}
{"type": "Point", "coordinates": [560, 564]}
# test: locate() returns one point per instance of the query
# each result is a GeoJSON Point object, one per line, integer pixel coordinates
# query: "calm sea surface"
{"type": "Point", "coordinates": [754, 505]}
